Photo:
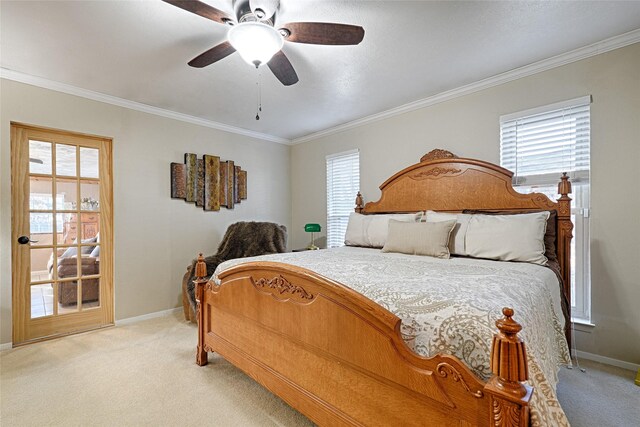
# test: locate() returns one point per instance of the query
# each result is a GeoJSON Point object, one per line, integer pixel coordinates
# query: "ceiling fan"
{"type": "Point", "coordinates": [258, 41]}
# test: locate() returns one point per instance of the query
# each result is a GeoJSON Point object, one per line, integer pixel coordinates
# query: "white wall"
{"type": "Point", "coordinates": [155, 236]}
{"type": "Point", "coordinates": [468, 126]}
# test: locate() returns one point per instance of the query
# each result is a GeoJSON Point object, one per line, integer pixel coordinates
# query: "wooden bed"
{"type": "Point", "coordinates": [338, 357]}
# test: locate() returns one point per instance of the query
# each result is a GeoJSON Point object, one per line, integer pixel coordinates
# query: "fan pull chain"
{"type": "Point", "coordinates": [259, 101]}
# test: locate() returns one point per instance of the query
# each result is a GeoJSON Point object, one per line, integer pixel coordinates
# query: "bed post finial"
{"type": "Point", "coordinates": [359, 203]}
{"type": "Point", "coordinates": [509, 397]}
{"type": "Point", "coordinates": [564, 186]}
{"type": "Point", "coordinates": [508, 354]}
{"type": "Point", "coordinates": [200, 281]}
{"type": "Point", "coordinates": [201, 268]}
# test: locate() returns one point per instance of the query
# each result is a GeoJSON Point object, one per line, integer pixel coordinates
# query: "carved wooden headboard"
{"type": "Point", "coordinates": [444, 182]}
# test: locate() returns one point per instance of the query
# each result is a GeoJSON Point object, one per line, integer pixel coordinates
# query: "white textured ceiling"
{"type": "Point", "coordinates": [138, 50]}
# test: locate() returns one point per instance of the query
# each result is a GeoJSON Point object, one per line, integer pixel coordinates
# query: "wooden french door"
{"type": "Point", "coordinates": [62, 224]}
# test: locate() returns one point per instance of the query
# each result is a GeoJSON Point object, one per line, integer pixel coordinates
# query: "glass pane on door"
{"type": "Point", "coordinates": [66, 160]}
{"type": "Point", "coordinates": [90, 195]}
{"type": "Point", "coordinates": [41, 300]}
{"type": "Point", "coordinates": [90, 293]}
{"type": "Point", "coordinates": [69, 228]}
{"type": "Point", "coordinates": [41, 193]}
{"type": "Point", "coordinates": [91, 263]}
{"type": "Point", "coordinates": [89, 162]}
{"type": "Point", "coordinates": [90, 226]}
{"type": "Point", "coordinates": [67, 297]}
{"type": "Point", "coordinates": [41, 228]}
{"type": "Point", "coordinates": [42, 264]}
{"type": "Point", "coordinates": [40, 157]}
{"type": "Point", "coordinates": [66, 194]}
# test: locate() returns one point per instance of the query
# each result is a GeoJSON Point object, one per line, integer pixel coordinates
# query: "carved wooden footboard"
{"type": "Point", "coordinates": [339, 358]}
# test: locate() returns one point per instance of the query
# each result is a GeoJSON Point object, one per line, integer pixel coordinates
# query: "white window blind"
{"type": "Point", "coordinates": [537, 145]}
{"type": "Point", "coordinates": [343, 183]}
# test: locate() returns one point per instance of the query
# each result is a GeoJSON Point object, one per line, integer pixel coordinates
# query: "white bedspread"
{"type": "Point", "coordinates": [451, 305]}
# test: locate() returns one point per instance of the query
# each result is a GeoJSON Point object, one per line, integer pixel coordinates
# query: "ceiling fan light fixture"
{"type": "Point", "coordinates": [255, 42]}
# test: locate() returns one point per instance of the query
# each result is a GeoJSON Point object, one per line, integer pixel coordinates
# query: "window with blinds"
{"type": "Point", "coordinates": [343, 183]}
{"type": "Point", "coordinates": [537, 145]}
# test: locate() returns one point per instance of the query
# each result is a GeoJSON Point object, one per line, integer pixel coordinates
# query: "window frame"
{"type": "Point", "coordinates": [338, 211]}
{"type": "Point", "coordinates": [546, 182]}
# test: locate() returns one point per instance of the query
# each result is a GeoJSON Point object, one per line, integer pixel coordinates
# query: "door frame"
{"type": "Point", "coordinates": [24, 329]}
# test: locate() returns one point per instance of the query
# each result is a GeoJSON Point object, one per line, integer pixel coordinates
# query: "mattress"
{"type": "Point", "coordinates": [450, 306]}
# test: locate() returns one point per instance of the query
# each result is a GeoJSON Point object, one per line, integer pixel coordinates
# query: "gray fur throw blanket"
{"type": "Point", "coordinates": [242, 239]}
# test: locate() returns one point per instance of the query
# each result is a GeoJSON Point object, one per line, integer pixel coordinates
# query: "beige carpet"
{"type": "Point", "coordinates": [602, 396]}
{"type": "Point", "coordinates": [136, 375]}
{"type": "Point", "coordinates": [144, 374]}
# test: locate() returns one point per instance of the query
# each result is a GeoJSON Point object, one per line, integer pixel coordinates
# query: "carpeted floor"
{"type": "Point", "coordinates": [602, 396]}
{"type": "Point", "coordinates": [144, 374]}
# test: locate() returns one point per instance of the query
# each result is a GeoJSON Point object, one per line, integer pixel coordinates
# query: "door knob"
{"type": "Point", "coordinates": [23, 240]}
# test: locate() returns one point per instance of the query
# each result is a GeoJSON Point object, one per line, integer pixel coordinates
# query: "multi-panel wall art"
{"type": "Point", "coordinates": [208, 182]}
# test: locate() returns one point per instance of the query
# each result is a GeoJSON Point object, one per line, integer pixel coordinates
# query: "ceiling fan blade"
{"type": "Point", "coordinates": [324, 33]}
{"type": "Point", "coordinates": [282, 69]}
{"type": "Point", "coordinates": [202, 9]}
{"type": "Point", "coordinates": [214, 54]}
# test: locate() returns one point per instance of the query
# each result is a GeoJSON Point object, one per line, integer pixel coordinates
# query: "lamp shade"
{"type": "Point", "coordinates": [312, 228]}
{"type": "Point", "coordinates": [255, 42]}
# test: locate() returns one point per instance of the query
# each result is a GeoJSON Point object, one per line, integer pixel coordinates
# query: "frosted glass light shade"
{"type": "Point", "coordinates": [255, 42]}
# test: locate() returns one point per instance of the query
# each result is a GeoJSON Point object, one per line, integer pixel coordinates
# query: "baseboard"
{"type": "Point", "coordinates": [608, 360]}
{"type": "Point", "coordinates": [123, 322]}
{"type": "Point", "coordinates": [136, 319]}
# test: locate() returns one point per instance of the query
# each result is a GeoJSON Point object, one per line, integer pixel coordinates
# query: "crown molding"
{"type": "Point", "coordinates": [29, 79]}
{"type": "Point", "coordinates": [537, 67]}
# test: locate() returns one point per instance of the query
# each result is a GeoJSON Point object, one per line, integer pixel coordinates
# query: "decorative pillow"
{"type": "Point", "coordinates": [456, 241]}
{"type": "Point", "coordinates": [95, 253]}
{"type": "Point", "coordinates": [549, 235]}
{"type": "Point", "coordinates": [70, 252]}
{"type": "Point", "coordinates": [84, 250]}
{"type": "Point", "coordinates": [371, 230]}
{"type": "Point", "coordinates": [508, 237]}
{"type": "Point", "coordinates": [419, 238]}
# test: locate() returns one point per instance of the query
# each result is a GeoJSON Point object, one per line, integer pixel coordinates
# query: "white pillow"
{"type": "Point", "coordinates": [508, 237]}
{"type": "Point", "coordinates": [456, 241]}
{"type": "Point", "coordinates": [372, 230]}
{"type": "Point", "coordinates": [420, 238]}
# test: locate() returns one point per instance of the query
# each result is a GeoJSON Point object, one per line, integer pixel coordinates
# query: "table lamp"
{"type": "Point", "coordinates": [312, 228]}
